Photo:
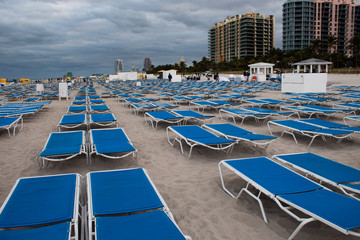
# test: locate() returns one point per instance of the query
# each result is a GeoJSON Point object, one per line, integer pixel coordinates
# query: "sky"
{"type": "Point", "coordinates": [47, 38]}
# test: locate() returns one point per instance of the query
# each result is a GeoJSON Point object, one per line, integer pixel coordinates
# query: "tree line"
{"type": "Point", "coordinates": [325, 50]}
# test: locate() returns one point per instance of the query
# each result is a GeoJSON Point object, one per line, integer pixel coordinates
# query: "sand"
{"type": "Point", "coordinates": [190, 187]}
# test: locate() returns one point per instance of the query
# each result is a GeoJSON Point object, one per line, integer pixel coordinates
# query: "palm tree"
{"type": "Point", "coordinates": [354, 46]}
{"type": "Point", "coordinates": [316, 46]}
{"type": "Point", "coordinates": [331, 43]}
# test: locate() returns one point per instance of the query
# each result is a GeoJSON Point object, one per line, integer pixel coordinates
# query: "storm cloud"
{"type": "Point", "coordinates": [46, 38]}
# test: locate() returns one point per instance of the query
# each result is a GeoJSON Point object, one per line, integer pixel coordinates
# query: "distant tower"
{"type": "Point", "coordinates": [147, 64]}
{"type": "Point", "coordinates": [182, 59]}
{"type": "Point", "coordinates": [119, 67]}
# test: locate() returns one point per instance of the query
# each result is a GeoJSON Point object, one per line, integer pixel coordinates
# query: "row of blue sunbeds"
{"type": "Point", "coordinates": [117, 204]}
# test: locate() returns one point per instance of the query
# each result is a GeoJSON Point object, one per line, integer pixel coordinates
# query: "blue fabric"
{"type": "Point", "coordinates": [99, 107]}
{"type": "Point", "coordinates": [323, 123]}
{"type": "Point", "coordinates": [228, 129]}
{"type": "Point", "coordinates": [63, 143]}
{"type": "Point", "coordinates": [163, 115]}
{"type": "Point", "coordinates": [7, 121]}
{"type": "Point", "coordinates": [273, 177]}
{"type": "Point", "coordinates": [354, 186]}
{"type": "Point", "coordinates": [96, 101]}
{"type": "Point", "coordinates": [245, 112]}
{"type": "Point", "coordinates": [124, 191]}
{"type": "Point", "coordinates": [79, 102]}
{"type": "Point", "coordinates": [54, 232]}
{"type": "Point", "coordinates": [77, 108]}
{"type": "Point", "coordinates": [103, 117]}
{"type": "Point", "coordinates": [198, 134]}
{"type": "Point", "coordinates": [154, 225]}
{"type": "Point", "coordinates": [111, 141]}
{"type": "Point", "coordinates": [40, 200]}
{"type": "Point", "coordinates": [190, 113]}
{"type": "Point", "coordinates": [72, 119]}
{"type": "Point", "coordinates": [296, 125]}
{"type": "Point", "coordinates": [324, 167]}
{"type": "Point", "coordinates": [338, 209]}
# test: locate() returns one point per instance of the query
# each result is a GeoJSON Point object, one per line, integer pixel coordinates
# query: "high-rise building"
{"type": "Point", "coordinates": [147, 64]}
{"type": "Point", "coordinates": [247, 35]}
{"type": "Point", "coordinates": [119, 67]}
{"type": "Point", "coordinates": [306, 20]}
{"type": "Point", "coordinates": [298, 28]}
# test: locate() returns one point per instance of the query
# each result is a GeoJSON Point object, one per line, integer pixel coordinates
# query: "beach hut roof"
{"type": "Point", "coordinates": [261, 64]}
{"type": "Point", "coordinates": [313, 61]}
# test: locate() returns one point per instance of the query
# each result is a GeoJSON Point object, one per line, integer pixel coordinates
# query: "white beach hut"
{"type": "Point", "coordinates": [258, 71]}
{"type": "Point", "coordinates": [308, 76]}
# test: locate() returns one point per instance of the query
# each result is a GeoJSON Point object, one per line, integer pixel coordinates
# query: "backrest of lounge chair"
{"type": "Point", "coordinates": [7, 121]}
{"type": "Point", "coordinates": [122, 191]}
{"type": "Point", "coordinates": [103, 117]}
{"type": "Point", "coordinates": [190, 113]}
{"type": "Point", "coordinates": [59, 139]}
{"type": "Point", "coordinates": [323, 123]}
{"type": "Point", "coordinates": [228, 129]}
{"type": "Point", "coordinates": [40, 200]}
{"type": "Point", "coordinates": [163, 115]}
{"type": "Point", "coordinates": [271, 176]}
{"type": "Point", "coordinates": [70, 119]}
{"type": "Point", "coordinates": [192, 131]}
{"type": "Point", "coordinates": [109, 135]}
{"type": "Point", "coordinates": [77, 108]}
{"type": "Point", "coordinates": [296, 125]}
{"type": "Point", "coordinates": [324, 167]}
{"type": "Point", "coordinates": [99, 107]}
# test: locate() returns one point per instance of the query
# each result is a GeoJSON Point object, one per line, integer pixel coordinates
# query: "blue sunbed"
{"type": "Point", "coordinates": [293, 193]}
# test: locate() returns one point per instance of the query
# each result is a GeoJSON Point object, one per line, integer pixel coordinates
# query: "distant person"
{"type": "Point", "coordinates": [216, 77]}
{"type": "Point", "coordinates": [169, 77]}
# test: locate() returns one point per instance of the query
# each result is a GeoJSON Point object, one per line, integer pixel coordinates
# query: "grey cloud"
{"type": "Point", "coordinates": [47, 37]}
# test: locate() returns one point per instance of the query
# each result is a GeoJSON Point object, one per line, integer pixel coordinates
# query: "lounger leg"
{"type": "Point", "coordinates": [301, 225]}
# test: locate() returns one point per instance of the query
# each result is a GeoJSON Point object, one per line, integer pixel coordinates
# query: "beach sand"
{"type": "Point", "coordinates": [191, 187]}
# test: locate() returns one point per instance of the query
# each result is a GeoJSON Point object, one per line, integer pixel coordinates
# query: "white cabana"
{"type": "Point", "coordinates": [311, 65]}
{"type": "Point", "coordinates": [308, 76]}
{"type": "Point", "coordinates": [165, 75]}
{"type": "Point", "coordinates": [258, 71]}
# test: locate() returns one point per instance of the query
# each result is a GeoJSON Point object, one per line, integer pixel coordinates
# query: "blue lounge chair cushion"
{"type": "Point", "coordinates": [122, 192]}
{"type": "Point", "coordinates": [40, 200]}
{"type": "Point", "coordinates": [77, 108]}
{"type": "Point", "coordinates": [111, 141]}
{"type": "Point", "coordinates": [99, 107]}
{"type": "Point", "coordinates": [193, 114]}
{"type": "Point", "coordinates": [54, 232]}
{"type": "Point", "coordinates": [7, 121]}
{"type": "Point", "coordinates": [104, 117]}
{"type": "Point", "coordinates": [272, 176]}
{"type": "Point", "coordinates": [154, 225]}
{"type": "Point", "coordinates": [63, 143]}
{"type": "Point", "coordinates": [164, 115]}
{"type": "Point", "coordinates": [338, 209]}
{"type": "Point", "coordinates": [324, 167]}
{"type": "Point", "coordinates": [72, 119]}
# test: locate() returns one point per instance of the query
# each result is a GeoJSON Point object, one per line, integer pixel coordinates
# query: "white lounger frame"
{"type": "Point", "coordinates": [92, 148]}
{"type": "Point", "coordinates": [284, 205]}
{"type": "Point", "coordinates": [310, 134]}
{"type": "Point", "coordinates": [14, 125]}
{"type": "Point", "coordinates": [242, 117]}
{"type": "Point", "coordinates": [58, 158]}
{"type": "Point", "coordinates": [178, 138]}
